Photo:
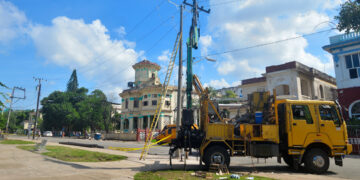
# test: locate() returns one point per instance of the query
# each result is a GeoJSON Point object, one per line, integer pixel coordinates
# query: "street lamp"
{"type": "Point", "coordinates": [202, 58]}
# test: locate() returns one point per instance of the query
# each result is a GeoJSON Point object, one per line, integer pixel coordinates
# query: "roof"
{"type": "Point", "coordinates": [253, 80]}
{"type": "Point", "coordinates": [301, 68]}
{"type": "Point", "coordinates": [144, 63]}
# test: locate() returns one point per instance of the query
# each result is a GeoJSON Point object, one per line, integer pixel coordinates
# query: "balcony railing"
{"type": "Point", "coordinates": [344, 37]}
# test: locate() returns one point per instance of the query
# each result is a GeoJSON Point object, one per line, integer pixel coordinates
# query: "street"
{"type": "Point", "coordinates": [14, 159]}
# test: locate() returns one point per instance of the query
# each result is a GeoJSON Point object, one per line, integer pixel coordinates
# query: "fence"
{"type": "Point", "coordinates": [354, 137]}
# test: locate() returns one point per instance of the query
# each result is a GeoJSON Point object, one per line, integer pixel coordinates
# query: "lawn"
{"type": "Point", "coordinates": [12, 141]}
{"type": "Point", "coordinates": [75, 155]}
{"type": "Point", "coordinates": [186, 175]}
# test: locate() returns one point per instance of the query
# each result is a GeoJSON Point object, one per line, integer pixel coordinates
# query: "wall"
{"type": "Point", "coordinates": [250, 88]}
{"type": "Point", "coordinates": [284, 77]}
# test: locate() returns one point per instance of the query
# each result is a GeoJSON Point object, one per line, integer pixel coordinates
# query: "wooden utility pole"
{"type": "Point", "coordinates": [37, 105]}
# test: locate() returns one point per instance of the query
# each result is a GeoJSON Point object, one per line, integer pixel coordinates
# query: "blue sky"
{"type": "Point", "coordinates": [102, 39]}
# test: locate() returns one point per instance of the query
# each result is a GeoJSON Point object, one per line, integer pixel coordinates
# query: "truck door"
{"type": "Point", "coordinates": [301, 124]}
{"type": "Point", "coordinates": [330, 124]}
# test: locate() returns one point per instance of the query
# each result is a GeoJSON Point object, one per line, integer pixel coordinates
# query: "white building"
{"type": "Point", "coordinates": [292, 80]}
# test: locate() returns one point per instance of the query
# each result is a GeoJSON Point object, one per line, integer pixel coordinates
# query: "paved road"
{"type": "Point", "coordinates": [270, 167]}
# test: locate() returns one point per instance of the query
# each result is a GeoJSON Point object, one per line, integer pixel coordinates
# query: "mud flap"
{"type": "Point", "coordinates": [338, 160]}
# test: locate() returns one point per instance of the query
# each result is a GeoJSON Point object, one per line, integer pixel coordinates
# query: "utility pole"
{"type": "Point", "coordinates": [12, 97]}
{"type": "Point", "coordinates": [192, 43]}
{"type": "Point", "coordinates": [179, 99]}
{"type": "Point", "coordinates": [37, 105]}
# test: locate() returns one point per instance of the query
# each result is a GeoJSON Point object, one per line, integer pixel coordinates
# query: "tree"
{"type": "Point", "coordinates": [3, 95]}
{"type": "Point", "coordinates": [349, 16]}
{"type": "Point", "coordinates": [230, 94]}
{"type": "Point", "coordinates": [73, 84]}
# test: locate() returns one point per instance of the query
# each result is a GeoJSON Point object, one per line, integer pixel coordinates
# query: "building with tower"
{"type": "Point", "coordinates": [139, 102]}
{"type": "Point", "coordinates": [345, 49]}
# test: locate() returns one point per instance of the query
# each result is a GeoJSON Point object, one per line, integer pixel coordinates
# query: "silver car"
{"type": "Point", "coordinates": [47, 134]}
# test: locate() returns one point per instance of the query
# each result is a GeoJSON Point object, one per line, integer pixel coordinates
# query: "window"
{"type": "Point", "coordinates": [321, 92]}
{"type": "Point", "coordinates": [282, 90]}
{"type": "Point", "coordinates": [302, 112]}
{"type": "Point", "coordinates": [126, 103]}
{"type": "Point", "coordinates": [135, 123]}
{"type": "Point", "coordinates": [154, 102]}
{"type": "Point", "coordinates": [353, 64]}
{"type": "Point", "coordinates": [145, 103]}
{"type": "Point", "coordinates": [167, 103]}
{"type": "Point", "coordinates": [136, 102]}
{"type": "Point", "coordinates": [145, 122]}
{"type": "Point", "coordinates": [348, 61]}
{"type": "Point", "coordinates": [126, 124]}
{"type": "Point", "coordinates": [145, 96]}
{"type": "Point", "coordinates": [167, 95]}
{"type": "Point", "coordinates": [304, 87]}
{"type": "Point", "coordinates": [354, 110]}
{"type": "Point", "coordinates": [353, 73]}
{"type": "Point", "coordinates": [329, 113]}
{"type": "Point", "coordinates": [154, 95]}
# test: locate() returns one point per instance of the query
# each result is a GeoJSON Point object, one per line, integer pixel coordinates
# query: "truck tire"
{"type": "Point", "coordinates": [316, 161]}
{"type": "Point", "coordinates": [288, 160]}
{"type": "Point", "coordinates": [216, 155]}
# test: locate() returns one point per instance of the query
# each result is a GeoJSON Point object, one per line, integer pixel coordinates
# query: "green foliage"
{"type": "Point", "coordinates": [75, 155]}
{"type": "Point", "coordinates": [230, 94]}
{"type": "Point", "coordinates": [16, 120]}
{"type": "Point", "coordinates": [3, 95]}
{"type": "Point", "coordinates": [349, 16]}
{"type": "Point", "coordinates": [212, 92]}
{"type": "Point", "coordinates": [73, 84]}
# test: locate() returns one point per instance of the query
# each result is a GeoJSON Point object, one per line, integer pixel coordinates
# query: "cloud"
{"type": "Point", "coordinates": [251, 22]}
{"type": "Point", "coordinates": [87, 47]}
{"type": "Point", "coordinates": [217, 84]}
{"type": "Point", "coordinates": [165, 56]}
{"type": "Point", "coordinates": [121, 31]}
{"type": "Point", "coordinates": [205, 43]}
{"type": "Point", "coordinates": [12, 22]}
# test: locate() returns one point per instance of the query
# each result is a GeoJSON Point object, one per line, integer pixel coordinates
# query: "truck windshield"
{"type": "Point", "coordinates": [329, 113]}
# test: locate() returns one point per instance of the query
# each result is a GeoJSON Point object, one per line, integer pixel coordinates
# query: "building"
{"type": "Point", "coordinates": [236, 89]}
{"type": "Point", "coordinates": [345, 50]}
{"type": "Point", "coordinates": [140, 101]}
{"type": "Point", "coordinates": [292, 80]}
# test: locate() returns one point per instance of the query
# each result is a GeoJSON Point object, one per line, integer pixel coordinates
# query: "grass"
{"type": "Point", "coordinates": [12, 141]}
{"type": "Point", "coordinates": [75, 155]}
{"type": "Point", "coordinates": [186, 175]}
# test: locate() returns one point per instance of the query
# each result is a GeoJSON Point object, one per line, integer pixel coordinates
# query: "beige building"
{"type": "Point", "coordinates": [292, 80]}
{"type": "Point", "coordinates": [139, 102]}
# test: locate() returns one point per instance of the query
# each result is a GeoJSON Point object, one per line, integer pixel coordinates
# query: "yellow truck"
{"type": "Point", "coordinates": [299, 132]}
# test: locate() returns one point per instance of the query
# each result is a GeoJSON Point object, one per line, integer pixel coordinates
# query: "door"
{"type": "Point", "coordinates": [302, 123]}
{"type": "Point", "coordinates": [331, 124]}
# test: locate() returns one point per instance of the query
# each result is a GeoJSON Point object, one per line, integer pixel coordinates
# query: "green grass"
{"type": "Point", "coordinates": [75, 155]}
{"type": "Point", "coordinates": [12, 141]}
{"type": "Point", "coordinates": [186, 175]}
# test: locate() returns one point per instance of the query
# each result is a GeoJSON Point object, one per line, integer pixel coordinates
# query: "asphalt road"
{"type": "Point", "coordinates": [350, 169]}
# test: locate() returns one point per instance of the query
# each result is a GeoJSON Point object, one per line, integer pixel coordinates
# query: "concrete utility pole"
{"type": "Point", "coordinates": [37, 105]}
{"type": "Point", "coordinates": [12, 97]}
{"type": "Point", "coordinates": [179, 99]}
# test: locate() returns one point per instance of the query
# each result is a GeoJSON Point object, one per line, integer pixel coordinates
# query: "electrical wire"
{"type": "Point", "coordinates": [265, 44]}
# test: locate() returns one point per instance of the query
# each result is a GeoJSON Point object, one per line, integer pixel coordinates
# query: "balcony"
{"type": "Point", "coordinates": [344, 37]}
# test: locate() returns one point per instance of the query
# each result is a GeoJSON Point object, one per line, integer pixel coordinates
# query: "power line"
{"type": "Point", "coordinates": [266, 44]}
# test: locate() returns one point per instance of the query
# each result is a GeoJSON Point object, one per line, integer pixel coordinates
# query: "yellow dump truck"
{"type": "Point", "coordinates": [299, 132]}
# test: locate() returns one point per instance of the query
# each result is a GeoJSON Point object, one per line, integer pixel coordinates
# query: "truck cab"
{"type": "Point", "coordinates": [311, 132]}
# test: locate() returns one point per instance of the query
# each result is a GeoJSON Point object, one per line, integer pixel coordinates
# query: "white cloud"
{"type": "Point", "coordinates": [75, 44]}
{"type": "Point", "coordinates": [217, 84]}
{"type": "Point", "coordinates": [251, 22]}
{"type": "Point", "coordinates": [121, 31]}
{"type": "Point", "coordinates": [165, 56]}
{"type": "Point", "coordinates": [12, 22]}
{"type": "Point", "coordinates": [205, 43]}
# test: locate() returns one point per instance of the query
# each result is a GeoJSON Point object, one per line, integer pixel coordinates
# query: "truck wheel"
{"type": "Point", "coordinates": [288, 160]}
{"type": "Point", "coordinates": [216, 155]}
{"type": "Point", "coordinates": [316, 161]}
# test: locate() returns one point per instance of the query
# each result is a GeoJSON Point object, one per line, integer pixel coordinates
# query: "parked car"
{"type": "Point", "coordinates": [47, 134]}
